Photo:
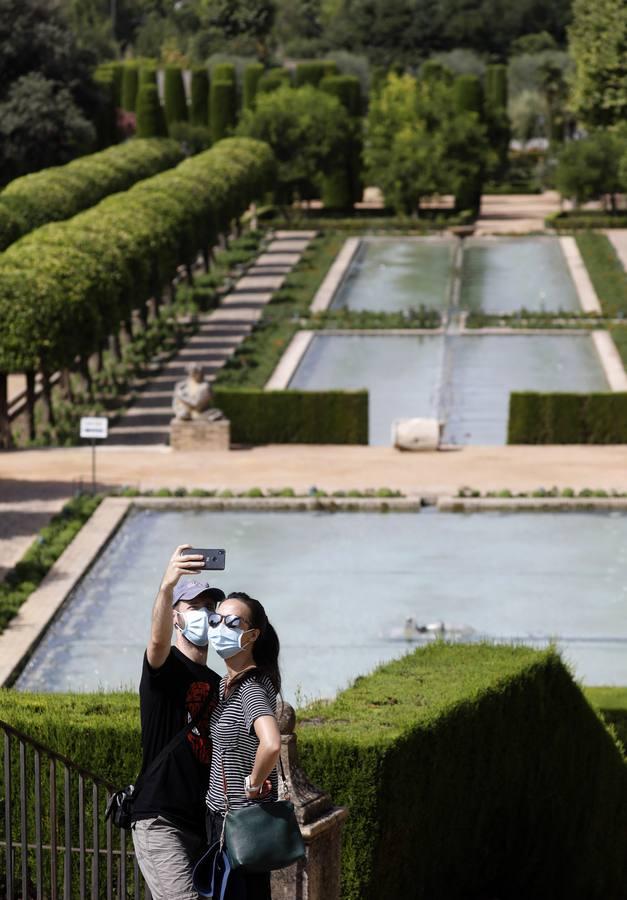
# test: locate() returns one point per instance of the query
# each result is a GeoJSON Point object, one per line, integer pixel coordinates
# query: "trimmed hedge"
{"type": "Point", "coordinates": [150, 116]}
{"type": "Point", "coordinates": [273, 79]}
{"type": "Point", "coordinates": [224, 72]}
{"type": "Point", "coordinates": [585, 219]}
{"type": "Point", "coordinates": [175, 105]}
{"type": "Point", "coordinates": [65, 287]}
{"type": "Point", "coordinates": [199, 106]}
{"type": "Point", "coordinates": [130, 86]}
{"type": "Point", "coordinates": [564, 418]}
{"type": "Point", "coordinates": [63, 191]}
{"type": "Point", "coordinates": [222, 109]}
{"type": "Point", "coordinates": [147, 75]}
{"type": "Point", "coordinates": [343, 186]}
{"type": "Point", "coordinates": [457, 763]}
{"type": "Point", "coordinates": [252, 74]}
{"type": "Point", "coordinates": [463, 779]}
{"type": "Point", "coordinates": [313, 71]}
{"type": "Point", "coordinates": [295, 417]}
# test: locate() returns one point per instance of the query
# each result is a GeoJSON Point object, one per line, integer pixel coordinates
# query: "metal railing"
{"type": "Point", "coordinates": [53, 837]}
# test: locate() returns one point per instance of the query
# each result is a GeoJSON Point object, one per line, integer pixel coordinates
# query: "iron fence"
{"type": "Point", "coordinates": [54, 840]}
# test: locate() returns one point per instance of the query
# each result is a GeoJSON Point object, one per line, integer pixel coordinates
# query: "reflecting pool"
{"type": "Point", "coordinates": [339, 587]}
{"type": "Point", "coordinates": [464, 380]}
{"type": "Point", "coordinates": [394, 274]}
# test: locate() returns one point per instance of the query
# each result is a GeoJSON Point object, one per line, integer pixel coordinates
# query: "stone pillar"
{"type": "Point", "coordinates": [200, 434]}
{"type": "Point", "coordinates": [317, 877]}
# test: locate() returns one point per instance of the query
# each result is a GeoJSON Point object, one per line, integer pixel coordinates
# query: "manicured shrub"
{"type": "Point", "coordinates": [64, 294]}
{"type": "Point", "coordinates": [497, 119]}
{"type": "Point", "coordinates": [199, 107]}
{"type": "Point", "coordinates": [252, 74]}
{"type": "Point", "coordinates": [150, 117]}
{"type": "Point", "coordinates": [563, 418]}
{"type": "Point", "coordinates": [60, 192]}
{"type": "Point", "coordinates": [115, 70]}
{"type": "Point", "coordinates": [106, 119]}
{"type": "Point", "coordinates": [222, 109]}
{"type": "Point", "coordinates": [175, 101]}
{"type": "Point", "coordinates": [312, 72]}
{"type": "Point", "coordinates": [147, 75]}
{"type": "Point", "coordinates": [224, 72]}
{"type": "Point", "coordinates": [343, 186]}
{"type": "Point", "coordinates": [499, 720]}
{"type": "Point", "coordinates": [468, 94]}
{"type": "Point", "coordinates": [273, 79]}
{"type": "Point", "coordinates": [130, 85]}
{"type": "Point", "coordinates": [295, 417]}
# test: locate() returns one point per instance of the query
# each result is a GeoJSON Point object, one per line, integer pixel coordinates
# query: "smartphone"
{"type": "Point", "coordinates": [213, 559]}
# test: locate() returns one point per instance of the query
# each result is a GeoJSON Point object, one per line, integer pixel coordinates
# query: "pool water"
{"type": "Point", "coordinates": [509, 274]}
{"type": "Point", "coordinates": [498, 275]}
{"type": "Point", "coordinates": [464, 380]}
{"type": "Point", "coordinates": [339, 586]}
{"type": "Point", "coordinates": [394, 274]}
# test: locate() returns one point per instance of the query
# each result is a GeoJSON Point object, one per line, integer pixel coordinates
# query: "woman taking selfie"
{"type": "Point", "coordinates": [243, 726]}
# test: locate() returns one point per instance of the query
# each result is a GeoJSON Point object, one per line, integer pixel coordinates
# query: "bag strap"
{"type": "Point", "coordinates": [169, 747]}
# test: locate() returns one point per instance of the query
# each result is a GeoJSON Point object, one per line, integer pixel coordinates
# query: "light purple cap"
{"type": "Point", "coordinates": [189, 590]}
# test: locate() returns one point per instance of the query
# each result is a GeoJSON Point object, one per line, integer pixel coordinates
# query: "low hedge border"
{"type": "Point", "coordinates": [26, 575]}
{"type": "Point", "coordinates": [565, 418]}
{"type": "Point", "coordinates": [463, 779]}
{"type": "Point", "coordinates": [295, 417]}
{"type": "Point", "coordinates": [585, 219]}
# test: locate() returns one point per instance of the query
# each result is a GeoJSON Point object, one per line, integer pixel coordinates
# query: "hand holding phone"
{"type": "Point", "coordinates": [212, 559]}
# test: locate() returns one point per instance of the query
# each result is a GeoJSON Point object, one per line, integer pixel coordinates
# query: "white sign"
{"type": "Point", "coordinates": [94, 427]}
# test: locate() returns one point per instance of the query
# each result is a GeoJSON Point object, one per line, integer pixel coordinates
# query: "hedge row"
{"type": "Point", "coordinates": [585, 219]}
{"type": "Point", "coordinates": [458, 765]}
{"type": "Point", "coordinates": [62, 191]}
{"type": "Point", "coordinates": [295, 417]}
{"type": "Point", "coordinates": [472, 771]}
{"type": "Point", "coordinates": [563, 418]}
{"type": "Point", "coordinates": [67, 286]}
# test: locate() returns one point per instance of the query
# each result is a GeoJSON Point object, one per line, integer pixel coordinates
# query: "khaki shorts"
{"type": "Point", "coordinates": [166, 855]}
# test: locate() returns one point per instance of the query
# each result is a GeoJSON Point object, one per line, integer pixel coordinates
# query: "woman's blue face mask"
{"type": "Point", "coordinates": [225, 634]}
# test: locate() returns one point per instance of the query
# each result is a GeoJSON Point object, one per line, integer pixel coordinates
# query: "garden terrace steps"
{"type": "Point", "coordinates": [147, 421]}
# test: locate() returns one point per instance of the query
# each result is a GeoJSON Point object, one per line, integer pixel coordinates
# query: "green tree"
{"type": "Point", "coordinates": [589, 168]}
{"type": "Point", "coordinates": [150, 116]}
{"type": "Point", "coordinates": [236, 18]}
{"type": "Point", "coordinates": [306, 129]}
{"type": "Point", "coordinates": [175, 100]}
{"type": "Point", "coordinates": [598, 44]}
{"type": "Point", "coordinates": [418, 142]}
{"type": "Point", "coordinates": [39, 121]}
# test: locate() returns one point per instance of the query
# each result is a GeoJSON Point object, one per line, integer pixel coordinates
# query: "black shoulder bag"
{"type": "Point", "coordinates": [120, 806]}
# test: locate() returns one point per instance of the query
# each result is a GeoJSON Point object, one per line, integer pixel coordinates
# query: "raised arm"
{"type": "Point", "coordinates": [162, 622]}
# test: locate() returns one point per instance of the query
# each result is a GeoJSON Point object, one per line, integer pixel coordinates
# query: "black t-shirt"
{"type": "Point", "coordinates": [169, 698]}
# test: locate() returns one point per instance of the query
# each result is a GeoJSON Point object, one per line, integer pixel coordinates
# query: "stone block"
{"type": "Point", "coordinates": [416, 434]}
{"type": "Point", "coordinates": [200, 434]}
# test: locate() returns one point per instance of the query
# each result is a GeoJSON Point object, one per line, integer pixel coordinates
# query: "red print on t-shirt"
{"type": "Point", "coordinates": [198, 737]}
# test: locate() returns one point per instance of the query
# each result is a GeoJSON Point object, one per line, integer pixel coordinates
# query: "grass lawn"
{"type": "Point", "coordinates": [605, 270]}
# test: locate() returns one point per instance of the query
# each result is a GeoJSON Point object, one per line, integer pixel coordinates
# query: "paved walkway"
{"type": "Point", "coordinates": [220, 332]}
{"type": "Point", "coordinates": [25, 507]}
{"type": "Point", "coordinates": [516, 213]}
{"type": "Point", "coordinates": [327, 467]}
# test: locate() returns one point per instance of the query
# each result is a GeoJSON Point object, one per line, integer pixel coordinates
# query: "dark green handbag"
{"type": "Point", "coordinates": [264, 836]}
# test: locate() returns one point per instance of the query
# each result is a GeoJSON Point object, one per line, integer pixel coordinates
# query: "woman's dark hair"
{"type": "Point", "coordinates": [266, 648]}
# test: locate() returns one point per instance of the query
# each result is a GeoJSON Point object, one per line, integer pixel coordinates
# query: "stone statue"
{"type": "Point", "coordinates": [192, 397]}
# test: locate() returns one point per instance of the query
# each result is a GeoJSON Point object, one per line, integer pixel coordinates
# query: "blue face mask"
{"type": "Point", "coordinates": [227, 642]}
{"type": "Point", "coordinates": [196, 627]}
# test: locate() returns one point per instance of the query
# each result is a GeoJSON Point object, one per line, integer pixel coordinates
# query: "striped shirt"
{"type": "Point", "coordinates": [234, 740]}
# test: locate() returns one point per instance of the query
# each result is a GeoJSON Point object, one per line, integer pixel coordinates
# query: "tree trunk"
{"type": "Point", "coordinates": [143, 314]}
{"type": "Point", "coordinates": [6, 438]}
{"type": "Point", "coordinates": [100, 358]}
{"type": "Point", "coordinates": [30, 405]}
{"type": "Point", "coordinates": [116, 345]}
{"type": "Point", "coordinates": [86, 373]}
{"type": "Point", "coordinates": [190, 274]}
{"type": "Point", "coordinates": [206, 256]}
{"type": "Point", "coordinates": [66, 384]}
{"type": "Point", "coordinates": [47, 395]}
{"type": "Point", "coordinates": [127, 328]}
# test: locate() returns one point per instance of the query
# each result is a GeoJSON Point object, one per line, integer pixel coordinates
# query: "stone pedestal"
{"type": "Point", "coordinates": [317, 877]}
{"type": "Point", "coordinates": [416, 434]}
{"type": "Point", "coordinates": [200, 434]}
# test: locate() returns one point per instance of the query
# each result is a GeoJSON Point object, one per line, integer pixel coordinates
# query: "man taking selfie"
{"type": "Point", "coordinates": [176, 694]}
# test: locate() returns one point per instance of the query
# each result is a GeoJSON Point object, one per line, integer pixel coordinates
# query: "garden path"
{"type": "Point", "coordinates": [516, 213]}
{"type": "Point", "coordinates": [147, 421]}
